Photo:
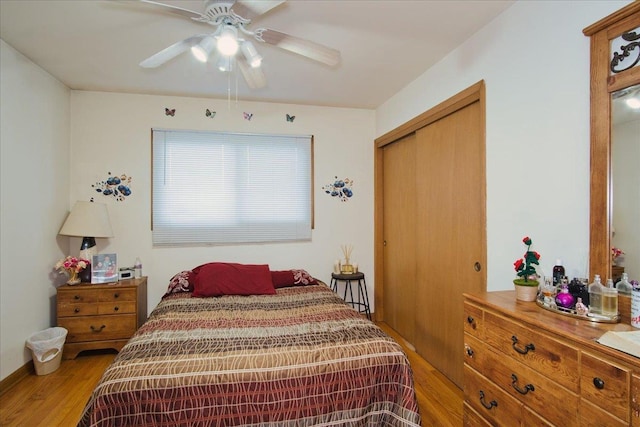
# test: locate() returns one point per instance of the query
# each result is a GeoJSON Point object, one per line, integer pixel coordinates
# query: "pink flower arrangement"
{"type": "Point", "coordinates": [72, 264]}
{"type": "Point", "coordinates": [615, 253]}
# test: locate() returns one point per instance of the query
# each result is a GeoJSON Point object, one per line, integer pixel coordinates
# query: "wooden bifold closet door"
{"type": "Point", "coordinates": [434, 233]}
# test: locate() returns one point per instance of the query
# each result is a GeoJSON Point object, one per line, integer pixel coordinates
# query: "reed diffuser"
{"type": "Point", "coordinates": [346, 267]}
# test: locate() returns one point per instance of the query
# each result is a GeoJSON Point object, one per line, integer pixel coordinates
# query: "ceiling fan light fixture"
{"type": "Point", "coordinates": [225, 63]}
{"type": "Point", "coordinates": [253, 57]}
{"type": "Point", "coordinates": [228, 41]}
{"type": "Point", "coordinates": [202, 50]}
{"type": "Point", "coordinates": [634, 102]}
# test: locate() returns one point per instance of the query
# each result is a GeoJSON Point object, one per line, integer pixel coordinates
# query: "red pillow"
{"type": "Point", "coordinates": [285, 278]}
{"type": "Point", "coordinates": [220, 278]}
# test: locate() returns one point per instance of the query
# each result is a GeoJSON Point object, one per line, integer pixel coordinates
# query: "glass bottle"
{"type": "Point", "coordinates": [609, 299]}
{"type": "Point", "coordinates": [558, 273]}
{"type": "Point", "coordinates": [137, 269]}
{"type": "Point", "coordinates": [564, 298]}
{"type": "Point", "coordinates": [595, 295]}
{"type": "Point", "coordinates": [623, 286]}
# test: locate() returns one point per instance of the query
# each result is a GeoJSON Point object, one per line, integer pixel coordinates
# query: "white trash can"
{"type": "Point", "coordinates": [46, 349]}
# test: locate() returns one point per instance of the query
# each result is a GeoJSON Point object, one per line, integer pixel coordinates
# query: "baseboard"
{"type": "Point", "coordinates": [13, 379]}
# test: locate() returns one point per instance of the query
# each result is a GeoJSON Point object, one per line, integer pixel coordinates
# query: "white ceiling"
{"type": "Point", "coordinates": [97, 45]}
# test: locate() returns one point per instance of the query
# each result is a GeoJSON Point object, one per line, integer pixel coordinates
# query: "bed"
{"type": "Point", "coordinates": [293, 356]}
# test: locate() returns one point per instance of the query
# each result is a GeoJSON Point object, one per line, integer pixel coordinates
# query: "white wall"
{"type": "Point", "coordinates": [111, 133]}
{"type": "Point", "coordinates": [34, 183]}
{"type": "Point", "coordinates": [535, 63]}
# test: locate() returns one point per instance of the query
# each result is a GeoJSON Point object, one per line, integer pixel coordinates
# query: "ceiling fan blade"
{"type": "Point", "coordinates": [254, 77]}
{"type": "Point", "coordinates": [303, 47]}
{"type": "Point", "coordinates": [252, 8]}
{"type": "Point", "coordinates": [171, 52]}
{"type": "Point", "coordinates": [169, 8]}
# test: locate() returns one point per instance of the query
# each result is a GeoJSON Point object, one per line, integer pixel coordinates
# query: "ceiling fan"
{"type": "Point", "coordinates": [231, 19]}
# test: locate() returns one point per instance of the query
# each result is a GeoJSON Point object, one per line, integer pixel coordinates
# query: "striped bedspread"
{"type": "Point", "coordinates": [301, 357]}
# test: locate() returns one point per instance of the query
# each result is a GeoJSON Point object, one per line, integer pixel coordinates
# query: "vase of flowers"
{"type": "Point", "coordinates": [527, 282]}
{"type": "Point", "coordinates": [615, 254]}
{"type": "Point", "coordinates": [72, 266]}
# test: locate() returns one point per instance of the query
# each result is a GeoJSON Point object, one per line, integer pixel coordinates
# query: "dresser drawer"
{"type": "Point", "coordinates": [603, 381]}
{"type": "Point", "coordinates": [98, 328]}
{"type": "Point", "coordinates": [68, 309]}
{"type": "Point", "coordinates": [71, 295]}
{"type": "Point", "coordinates": [635, 400]}
{"type": "Point", "coordinates": [534, 390]}
{"type": "Point", "coordinates": [593, 416]}
{"type": "Point", "coordinates": [471, 418]}
{"type": "Point", "coordinates": [491, 402]}
{"type": "Point", "coordinates": [118, 307]}
{"type": "Point", "coordinates": [473, 320]}
{"type": "Point", "coordinates": [116, 294]}
{"type": "Point", "coordinates": [552, 358]}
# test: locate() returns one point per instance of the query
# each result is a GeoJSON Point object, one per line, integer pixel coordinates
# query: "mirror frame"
{"type": "Point", "coordinates": [603, 84]}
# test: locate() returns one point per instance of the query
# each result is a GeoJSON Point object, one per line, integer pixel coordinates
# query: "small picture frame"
{"type": "Point", "coordinates": [104, 268]}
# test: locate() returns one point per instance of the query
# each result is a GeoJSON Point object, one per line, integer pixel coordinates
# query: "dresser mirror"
{"type": "Point", "coordinates": [615, 76]}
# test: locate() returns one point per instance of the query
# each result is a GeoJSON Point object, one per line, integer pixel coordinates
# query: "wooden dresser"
{"type": "Point", "coordinates": [101, 316]}
{"type": "Point", "coordinates": [526, 366]}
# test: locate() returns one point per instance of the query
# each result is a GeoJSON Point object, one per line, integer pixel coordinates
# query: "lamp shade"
{"type": "Point", "coordinates": [87, 219]}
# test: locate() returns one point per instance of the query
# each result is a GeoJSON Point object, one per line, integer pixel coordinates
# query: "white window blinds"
{"type": "Point", "coordinates": [216, 188]}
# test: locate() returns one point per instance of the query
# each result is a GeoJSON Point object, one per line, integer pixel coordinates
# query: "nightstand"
{"type": "Point", "coordinates": [101, 316]}
{"type": "Point", "coordinates": [362, 303]}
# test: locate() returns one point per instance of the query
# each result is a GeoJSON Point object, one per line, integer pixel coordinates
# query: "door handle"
{"type": "Point", "coordinates": [477, 266]}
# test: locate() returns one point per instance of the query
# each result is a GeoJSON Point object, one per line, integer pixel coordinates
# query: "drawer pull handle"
{"type": "Point", "coordinates": [470, 320]}
{"type": "Point", "coordinates": [116, 295]}
{"type": "Point", "coordinates": [94, 329]}
{"type": "Point", "coordinates": [490, 404]}
{"type": "Point", "coordinates": [116, 308]}
{"type": "Point", "coordinates": [525, 390]}
{"type": "Point", "coordinates": [468, 350]}
{"type": "Point", "coordinates": [77, 310]}
{"type": "Point", "coordinates": [599, 383]}
{"type": "Point", "coordinates": [76, 297]}
{"type": "Point", "coordinates": [527, 348]}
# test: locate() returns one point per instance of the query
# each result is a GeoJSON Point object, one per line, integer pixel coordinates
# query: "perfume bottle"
{"type": "Point", "coordinates": [609, 299]}
{"type": "Point", "coordinates": [558, 273]}
{"type": "Point", "coordinates": [623, 286]}
{"type": "Point", "coordinates": [595, 295]}
{"type": "Point", "coordinates": [564, 298]}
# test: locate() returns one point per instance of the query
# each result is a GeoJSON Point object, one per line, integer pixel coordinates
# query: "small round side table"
{"type": "Point", "coordinates": [362, 302]}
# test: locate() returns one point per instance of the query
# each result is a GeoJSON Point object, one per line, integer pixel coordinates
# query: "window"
{"type": "Point", "coordinates": [215, 188]}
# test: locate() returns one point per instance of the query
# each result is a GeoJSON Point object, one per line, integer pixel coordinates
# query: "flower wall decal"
{"type": "Point", "coordinates": [340, 188]}
{"type": "Point", "coordinates": [115, 186]}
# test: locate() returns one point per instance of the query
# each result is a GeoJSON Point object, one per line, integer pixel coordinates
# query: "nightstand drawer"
{"type": "Point", "coordinates": [71, 295]}
{"type": "Point", "coordinates": [118, 307]}
{"type": "Point", "coordinates": [602, 381]}
{"type": "Point", "coordinates": [68, 309]}
{"type": "Point", "coordinates": [98, 328]}
{"type": "Point", "coordinates": [117, 295]}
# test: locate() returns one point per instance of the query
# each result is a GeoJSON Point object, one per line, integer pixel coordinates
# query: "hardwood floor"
{"type": "Point", "coordinates": [440, 400]}
{"type": "Point", "coordinates": [57, 399]}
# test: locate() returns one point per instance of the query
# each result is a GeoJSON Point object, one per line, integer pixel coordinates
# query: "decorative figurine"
{"type": "Point", "coordinates": [581, 309]}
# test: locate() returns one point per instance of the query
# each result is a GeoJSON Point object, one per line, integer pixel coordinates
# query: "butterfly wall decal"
{"type": "Point", "coordinates": [247, 116]}
{"type": "Point", "coordinates": [290, 118]}
{"type": "Point", "coordinates": [210, 114]}
{"type": "Point", "coordinates": [168, 112]}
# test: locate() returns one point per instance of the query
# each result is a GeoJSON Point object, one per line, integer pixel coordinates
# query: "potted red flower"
{"type": "Point", "coordinates": [527, 281]}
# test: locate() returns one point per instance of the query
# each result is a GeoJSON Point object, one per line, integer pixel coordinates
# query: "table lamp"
{"type": "Point", "coordinates": [87, 220]}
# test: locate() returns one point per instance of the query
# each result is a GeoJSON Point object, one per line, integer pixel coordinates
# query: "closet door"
{"type": "Point", "coordinates": [450, 233]}
{"type": "Point", "coordinates": [399, 213]}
